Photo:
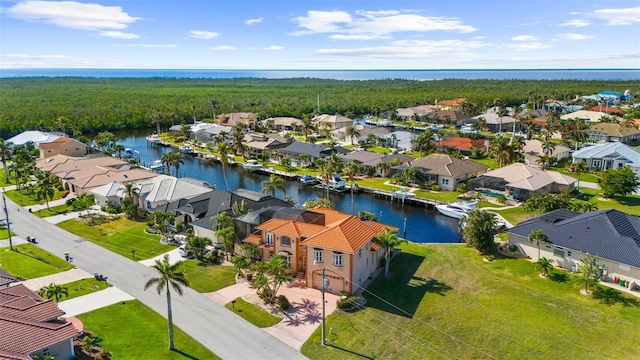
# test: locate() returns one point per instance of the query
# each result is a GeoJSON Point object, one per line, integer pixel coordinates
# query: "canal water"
{"type": "Point", "coordinates": [422, 225]}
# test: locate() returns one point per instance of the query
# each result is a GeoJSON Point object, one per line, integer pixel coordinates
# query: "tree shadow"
{"type": "Point", "coordinates": [558, 277]}
{"type": "Point", "coordinates": [350, 351]}
{"type": "Point", "coordinates": [609, 296]}
{"type": "Point", "coordinates": [184, 354]}
{"type": "Point", "coordinates": [402, 292]}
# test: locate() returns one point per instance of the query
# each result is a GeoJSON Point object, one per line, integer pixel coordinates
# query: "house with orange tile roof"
{"type": "Point", "coordinates": [63, 146]}
{"type": "Point", "coordinates": [463, 145]}
{"type": "Point", "coordinates": [451, 105]}
{"type": "Point", "coordinates": [340, 243]}
{"type": "Point", "coordinates": [30, 326]}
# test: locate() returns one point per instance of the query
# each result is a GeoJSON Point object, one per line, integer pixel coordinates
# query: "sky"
{"type": "Point", "coordinates": [320, 34]}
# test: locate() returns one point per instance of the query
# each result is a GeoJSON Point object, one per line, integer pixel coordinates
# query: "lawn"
{"type": "Point", "coordinates": [132, 330]}
{"type": "Point", "coordinates": [2, 182]}
{"type": "Point", "coordinates": [23, 198]}
{"type": "Point", "coordinates": [514, 215]}
{"type": "Point", "coordinates": [28, 261]}
{"type": "Point", "coordinates": [444, 302]}
{"type": "Point", "coordinates": [491, 163]}
{"type": "Point", "coordinates": [442, 196]}
{"type": "Point", "coordinates": [83, 287]}
{"type": "Point", "coordinates": [253, 314]}
{"type": "Point", "coordinates": [208, 278]}
{"type": "Point", "coordinates": [53, 210]}
{"type": "Point", "coordinates": [483, 204]}
{"type": "Point", "coordinates": [376, 183]}
{"type": "Point", "coordinates": [120, 236]}
{"type": "Point", "coordinates": [4, 233]}
{"type": "Point", "coordinates": [629, 204]}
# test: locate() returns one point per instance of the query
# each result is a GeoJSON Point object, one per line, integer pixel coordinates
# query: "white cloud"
{"type": "Point", "coordinates": [223, 48]}
{"type": "Point", "coordinates": [479, 37]}
{"type": "Point", "coordinates": [526, 46]}
{"type": "Point", "coordinates": [201, 34]}
{"type": "Point", "coordinates": [150, 45]}
{"type": "Point", "coordinates": [576, 23]}
{"type": "Point", "coordinates": [411, 49]}
{"type": "Point", "coordinates": [118, 35]}
{"type": "Point", "coordinates": [71, 14]}
{"type": "Point", "coordinates": [253, 21]}
{"type": "Point", "coordinates": [374, 24]}
{"type": "Point", "coordinates": [616, 17]}
{"type": "Point", "coordinates": [575, 36]}
{"type": "Point", "coordinates": [525, 38]}
{"type": "Point", "coordinates": [273, 48]}
{"type": "Point", "coordinates": [38, 57]}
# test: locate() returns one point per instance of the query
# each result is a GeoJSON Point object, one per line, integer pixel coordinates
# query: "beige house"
{"type": "Point", "coordinates": [451, 105]}
{"type": "Point", "coordinates": [610, 235]}
{"type": "Point", "coordinates": [247, 119]}
{"type": "Point", "coordinates": [62, 163]}
{"type": "Point", "coordinates": [610, 132]}
{"type": "Point", "coordinates": [339, 243]}
{"type": "Point", "coordinates": [336, 121]}
{"type": "Point", "coordinates": [444, 170]}
{"type": "Point", "coordinates": [84, 180]}
{"type": "Point", "coordinates": [532, 150]}
{"type": "Point", "coordinates": [63, 146]}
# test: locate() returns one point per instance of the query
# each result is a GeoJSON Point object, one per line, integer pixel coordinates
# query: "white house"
{"type": "Point", "coordinates": [609, 156]}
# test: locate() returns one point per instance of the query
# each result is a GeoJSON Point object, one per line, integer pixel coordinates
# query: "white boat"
{"type": "Point", "coordinates": [335, 183]}
{"type": "Point", "coordinates": [128, 153]}
{"type": "Point", "coordinates": [252, 165]}
{"type": "Point", "coordinates": [308, 180]}
{"type": "Point", "coordinates": [186, 149]}
{"type": "Point", "coordinates": [385, 123]}
{"type": "Point", "coordinates": [402, 194]}
{"type": "Point", "coordinates": [153, 139]}
{"type": "Point", "coordinates": [456, 210]}
{"type": "Point", "coordinates": [156, 165]}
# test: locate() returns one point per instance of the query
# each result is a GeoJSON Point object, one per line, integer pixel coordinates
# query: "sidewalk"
{"type": "Point", "coordinates": [94, 301]}
{"type": "Point", "coordinates": [59, 279]}
{"type": "Point", "coordinates": [174, 257]}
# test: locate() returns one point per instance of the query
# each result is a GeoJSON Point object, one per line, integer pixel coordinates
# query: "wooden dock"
{"type": "Point", "coordinates": [414, 200]}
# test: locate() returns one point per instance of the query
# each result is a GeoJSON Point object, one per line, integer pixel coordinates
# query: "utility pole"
{"type": "Point", "coordinates": [6, 214]}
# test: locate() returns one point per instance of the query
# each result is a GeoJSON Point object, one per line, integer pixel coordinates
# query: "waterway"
{"type": "Point", "coordinates": [422, 225]}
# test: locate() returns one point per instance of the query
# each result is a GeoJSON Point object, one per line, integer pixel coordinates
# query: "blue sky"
{"type": "Point", "coordinates": [301, 34]}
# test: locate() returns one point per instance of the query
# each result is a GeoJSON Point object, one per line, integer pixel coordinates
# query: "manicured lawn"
{"type": "Point", "coordinates": [375, 149]}
{"type": "Point", "coordinates": [466, 308]}
{"type": "Point", "coordinates": [28, 262]}
{"type": "Point", "coordinates": [208, 278]}
{"type": "Point", "coordinates": [482, 204]}
{"type": "Point", "coordinates": [253, 314]}
{"type": "Point", "coordinates": [53, 210]}
{"type": "Point", "coordinates": [131, 330]}
{"type": "Point", "coordinates": [492, 164]}
{"type": "Point", "coordinates": [4, 233]}
{"type": "Point", "coordinates": [376, 183]}
{"type": "Point", "coordinates": [83, 287]}
{"type": "Point", "coordinates": [514, 215]}
{"type": "Point", "coordinates": [2, 182]}
{"type": "Point", "coordinates": [23, 198]}
{"type": "Point", "coordinates": [120, 236]}
{"type": "Point", "coordinates": [629, 204]}
{"type": "Point", "coordinates": [442, 196]}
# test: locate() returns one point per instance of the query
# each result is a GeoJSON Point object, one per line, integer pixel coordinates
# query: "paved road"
{"type": "Point", "coordinates": [220, 330]}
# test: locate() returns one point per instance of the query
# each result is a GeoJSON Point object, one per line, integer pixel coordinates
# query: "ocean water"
{"type": "Point", "coordinates": [421, 75]}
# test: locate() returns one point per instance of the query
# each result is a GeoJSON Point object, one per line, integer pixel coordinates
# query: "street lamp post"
{"type": "Point", "coordinates": [325, 283]}
{"type": "Point", "coordinates": [6, 213]}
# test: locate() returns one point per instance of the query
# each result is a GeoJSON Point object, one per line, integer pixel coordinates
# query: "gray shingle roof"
{"type": "Point", "coordinates": [609, 234]}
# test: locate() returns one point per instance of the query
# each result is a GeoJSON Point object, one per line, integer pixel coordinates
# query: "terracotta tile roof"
{"type": "Point", "coordinates": [330, 215]}
{"type": "Point", "coordinates": [380, 227]}
{"type": "Point", "coordinates": [454, 102]}
{"type": "Point", "coordinates": [55, 143]}
{"type": "Point", "coordinates": [461, 143]}
{"type": "Point", "coordinates": [347, 235]}
{"type": "Point", "coordinates": [375, 246]}
{"type": "Point", "coordinates": [608, 110]}
{"type": "Point", "coordinates": [254, 239]}
{"type": "Point", "coordinates": [23, 323]}
{"type": "Point", "coordinates": [290, 228]}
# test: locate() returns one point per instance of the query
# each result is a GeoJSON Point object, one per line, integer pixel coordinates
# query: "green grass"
{"type": "Point", "coordinates": [53, 210]}
{"type": "Point", "coordinates": [120, 236]}
{"type": "Point", "coordinates": [28, 262]}
{"type": "Point", "coordinates": [469, 309]}
{"type": "Point", "coordinates": [208, 278]}
{"type": "Point", "coordinates": [491, 163]}
{"type": "Point", "coordinates": [253, 314]}
{"type": "Point", "coordinates": [4, 233]}
{"type": "Point", "coordinates": [2, 182]}
{"type": "Point", "coordinates": [442, 196]}
{"type": "Point", "coordinates": [23, 198]}
{"type": "Point", "coordinates": [514, 215]}
{"type": "Point", "coordinates": [482, 204]}
{"type": "Point", "coordinates": [629, 204]}
{"type": "Point", "coordinates": [83, 287]}
{"type": "Point", "coordinates": [376, 183]}
{"type": "Point", "coordinates": [132, 330]}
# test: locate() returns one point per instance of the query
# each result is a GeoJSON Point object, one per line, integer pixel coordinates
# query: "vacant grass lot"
{"type": "Point", "coordinates": [28, 262]}
{"type": "Point", "coordinates": [120, 235]}
{"type": "Point", "coordinates": [629, 204]}
{"type": "Point", "coordinates": [466, 308]}
{"type": "Point", "coordinates": [208, 278]}
{"type": "Point", "coordinates": [130, 330]}
{"type": "Point", "coordinates": [83, 287]}
{"type": "Point", "coordinates": [253, 314]}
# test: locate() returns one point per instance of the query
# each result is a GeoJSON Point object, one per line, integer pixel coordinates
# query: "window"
{"type": "Point", "coordinates": [359, 253]}
{"type": "Point", "coordinates": [270, 239]}
{"type": "Point", "coordinates": [445, 181]}
{"type": "Point", "coordinates": [285, 241]}
{"type": "Point", "coordinates": [337, 259]}
{"type": "Point", "coordinates": [367, 262]}
{"type": "Point", "coordinates": [317, 256]}
{"type": "Point", "coordinates": [596, 164]}
{"type": "Point", "coordinates": [568, 253]}
{"type": "Point", "coordinates": [558, 252]}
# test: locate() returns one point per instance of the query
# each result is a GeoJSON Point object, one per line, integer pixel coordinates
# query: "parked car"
{"type": "Point", "coordinates": [358, 148]}
{"type": "Point", "coordinates": [184, 252]}
{"type": "Point", "coordinates": [467, 129]}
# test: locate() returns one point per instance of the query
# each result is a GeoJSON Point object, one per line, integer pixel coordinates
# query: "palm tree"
{"type": "Point", "coordinates": [517, 143]}
{"type": "Point", "coordinates": [274, 182]}
{"type": "Point", "coordinates": [502, 112]}
{"type": "Point", "coordinates": [548, 147]}
{"type": "Point", "coordinates": [326, 171]}
{"type": "Point", "coordinates": [424, 142]}
{"type": "Point", "coordinates": [237, 139]}
{"type": "Point", "coordinates": [198, 244]}
{"type": "Point", "coordinates": [46, 189]}
{"type": "Point", "coordinates": [214, 104]}
{"type": "Point", "coordinates": [157, 118]}
{"type": "Point", "coordinates": [481, 124]}
{"type": "Point", "coordinates": [384, 167]}
{"type": "Point", "coordinates": [352, 132]}
{"type": "Point", "coordinates": [193, 111]}
{"type": "Point", "coordinates": [499, 149]}
{"type": "Point", "coordinates": [53, 291]}
{"type": "Point", "coordinates": [130, 191]}
{"type": "Point", "coordinates": [579, 168]}
{"type": "Point", "coordinates": [388, 240]}
{"type": "Point", "coordinates": [545, 160]}
{"type": "Point", "coordinates": [169, 276]}
{"type": "Point", "coordinates": [61, 124]}
{"type": "Point", "coordinates": [588, 271]}
{"type": "Point", "coordinates": [222, 153]}
{"type": "Point", "coordinates": [545, 265]}
{"type": "Point", "coordinates": [5, 153]}
{"type": "Point", "coordinates": [307, 126]}
{"type": "Point", "coordinates": [174, 160]}
{"type": "Point", "coordinates": [351, 170]}
{"type": "Point", "coordinates": [537, 236]}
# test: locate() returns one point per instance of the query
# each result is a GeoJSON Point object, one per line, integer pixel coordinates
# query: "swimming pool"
{"type": "Point", "coordinates": [489, 193]}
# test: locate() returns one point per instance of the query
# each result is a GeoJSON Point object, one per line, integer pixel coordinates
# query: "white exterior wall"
{"type": "Point", "coordinates": [208, 233]}
{"type": "Point", "coordinates": [61, 350]}
{"type": "Point", "coordinates": [447, 183]}
{"type": "Point", "coordinates": [363, 266]}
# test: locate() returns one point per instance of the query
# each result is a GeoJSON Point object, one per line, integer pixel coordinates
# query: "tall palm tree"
{"type": "Point", "coordinates": [502, 112]}
{"type": "Point", "coordinates": [157, 118]}
{"type": "Point", "coordinates": [5, 153]}
{"type": "Point", "coordinates": [545, 160]}
{"type": "Point", "coordinates": [53, 291]}
{"type": "Point", "coordinates": [352, 132]}
{"type": "Point", "coordinates": [500, 149]}
{"type": "Point", "coordinates": [548, 147]}
{"type": "Point", "coordinates": [237, 139]}
{"type": "Point", "coordinates": [307, 126]}
{"type": "Point", "coordinates": [214, 104]}
{"type": "Point", "coordinates": [169, 276]}
{"type": "Point", "coordinates": [388, 240]}
{"type": "Point", "coordinates": [350, 171]}
{"type": "Point", "coordinates": [46, 189]}
{"type": "Point", "coordinates": [579, 168]}
{"type": "Point", "coordinates": [130, 191]}
{"type": "Point", "coordinates": [272, 184]}
{"type": "Point", "coordinates": [222, 153]}
{"type": "Point", "coordinates": [174, 159]}
{"type": "Point", "coordinates": [537, 236]}
{"type": "Point", "coordinates": [424, 142]}
{"type": "Point", "coordinates": [61, 124]}
{"type": "Point", "coordinates": [384, 167]}
{"type": "Point", "coordinates": [326, 171]}
{"type": "Point", "coordinates": [517, 143]}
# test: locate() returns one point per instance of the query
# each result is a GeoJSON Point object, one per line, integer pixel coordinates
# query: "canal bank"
{"type": "Point", "coordinates": [423, 225]}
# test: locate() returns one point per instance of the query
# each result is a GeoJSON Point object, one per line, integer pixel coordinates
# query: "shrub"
{"type": "Point", "coordinates": [348, 302]}
{"type": "Point", "coordinates": [501, 199]}
{"type": "Point", "coordinates": [513, 248]}
{"type": "Point", "coordinates": [436, 187]}
{"type": "Point", "coordinates": [462, 188]}
{"type": "Point", "coordinates": [283, 303]}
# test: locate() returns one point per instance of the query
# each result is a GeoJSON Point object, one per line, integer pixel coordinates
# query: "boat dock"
{"type": "Point", "coordinates": [413, 200]}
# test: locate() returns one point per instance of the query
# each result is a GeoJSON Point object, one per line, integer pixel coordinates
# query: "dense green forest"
{"type": "Point", "coordinates": [90, 105]}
